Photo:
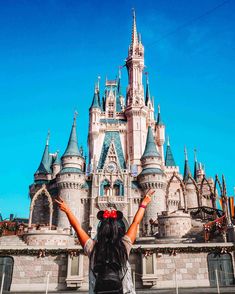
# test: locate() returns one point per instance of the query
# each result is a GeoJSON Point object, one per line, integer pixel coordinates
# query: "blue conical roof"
{"type": "Point", "coordinates": [169, 159]}
{"type": "Point", "coordinates": [96, 100]}
{"type": "Point", "coordinates": [147, 95]}
{"type": "Point", "coordinates": [45, 164]}
{"type": "Point", "coordinates": [72, 147]}
{"type": "Point", "coordinates": [57, 159]}
{"type": "Point", "coordinates": [159, 120]}
{"type": "Point", "coordinates": [150, 147]}
{"type": "Point", "coordinates": [187, 172]}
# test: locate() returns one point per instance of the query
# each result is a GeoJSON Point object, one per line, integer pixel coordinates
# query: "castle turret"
{"type": "Point", "coordinates": [190, 184]}
{"type": "Point", "coordinates": [94, 125]}
{"type": "Point", "coordinates": [56, 166]}
{"type": "Point", "coordinates": [149, 103]}
{"type": "Point", "coordinates": [136, 111]}
{"type": "Point", "coordinates": [153, 177]}
{"type": "Point", "coordinates": [44, 172]}
{"type": "Point", "coordinates": [160, 134]}
{"type": "Point", "coordinates": [187, 171]}
{"type": "Point", "coordinates": [169, 159]}
{"type": "Point", "coordinates": [71, 177]}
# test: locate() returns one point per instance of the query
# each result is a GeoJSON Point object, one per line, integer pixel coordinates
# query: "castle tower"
{"type": "Point", "coordinates": [56, 165]}
{"type": "Point", "coordinates": [149, 103]}
{"type": "Point", "coordinates": [94, 127]}
{"type": "Point", "coordinates": [71, 178]}
{"type": "Point", "coordinates": [160, 134]}
{"type": "Point", "coordinates": [152, 176]}
{"type": "Point", "coordinates": [136, 110]}
{"type": "Point", "coordinates": [191, 194]}
{"type": "Point", "coordinates": [44, 172]}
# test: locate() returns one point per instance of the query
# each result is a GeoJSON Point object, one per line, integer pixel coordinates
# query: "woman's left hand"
{"type": "Point", "coordinates": [147, 199]}
{"type": "Point", "coordinates": [62, 205]}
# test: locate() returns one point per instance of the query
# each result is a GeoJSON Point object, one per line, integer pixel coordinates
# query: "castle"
{"type": "Point", "coordinates": [126, 158]}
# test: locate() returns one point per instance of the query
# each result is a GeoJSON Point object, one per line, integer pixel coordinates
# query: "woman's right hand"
{"type": "Point", "coordinates": [147, 199]}
{"type": "Point", "coordinates": [62, 205]}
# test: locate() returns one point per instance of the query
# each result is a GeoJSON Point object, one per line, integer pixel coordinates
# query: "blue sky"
{"type": "Point", "coordinates": [51, 53]}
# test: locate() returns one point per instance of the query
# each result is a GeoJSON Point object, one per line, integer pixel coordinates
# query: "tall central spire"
{"type": "Point", "coordinates": [135, 66]}
{"type": "Point", "coordinates": [134, 30]}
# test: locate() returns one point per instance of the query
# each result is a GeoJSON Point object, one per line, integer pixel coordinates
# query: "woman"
{"type": "Point", "coordinates": [108, 253]}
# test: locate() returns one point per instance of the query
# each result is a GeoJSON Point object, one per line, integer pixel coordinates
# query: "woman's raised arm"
{"type": "Point", "coordinates": [132, 231]}
{"type": "Point", "coordinates": [82, 235]}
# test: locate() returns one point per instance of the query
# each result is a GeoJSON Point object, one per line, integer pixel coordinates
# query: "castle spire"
{"type": "Point", "coordinates": [72, 147]}
{"type": "Point", "coordinates": [44, 167]}
{"type": "Point", "coordinates": [187, 172]}
{"type": "Point", "coordinates": [150, 146]}
{"type": "Point", "coordinates": [95, 102]}
{"type": "Point", "coordinates": [119, 90]}
{"type": "Point", "coordinates": [134, 37]}
{"type": "Point", "coordinates": [147, 95]}
{"type": "Point", "coordinates": [195, 164]}
{"type": "Point", "coordinates": [169, 159]}
{"type": "Point", "coordinates": [159, 121]}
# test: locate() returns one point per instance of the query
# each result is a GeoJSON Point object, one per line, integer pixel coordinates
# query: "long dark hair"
{"type": "Point", "coordinates": [109, 246]}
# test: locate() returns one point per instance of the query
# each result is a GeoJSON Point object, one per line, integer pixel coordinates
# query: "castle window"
{"type": "Point", "coordinates": [105, 188]}
{"type": "Point", "coordinates": [111, 104]}
{"type": "Point", "coordinates": [118, 188]}
{"type": "Point", "coordinates": [110, 114]}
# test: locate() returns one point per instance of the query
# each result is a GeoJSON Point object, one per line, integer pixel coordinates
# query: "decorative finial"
{"type": "Point", "coordinates": [74, 117]}
{"type": "Point", "coordinates": [147, 77]}
{"type": "Point", "coordinates": [119, 72]}
{"type": "Point", "coordinates": [133, 12]}
{"type": "Point", "coordinates": [48, 137]}
{"type": "Point", "coordinates": [98, 83]}
{"type": "Point", "coordinates": [185, 153]}
{"type": "Point", "coordinates": [168, 141]}
{"type": "Point", "coordinates": [159, 108]}
{"type": "Point", "coordinates": [195, 154]}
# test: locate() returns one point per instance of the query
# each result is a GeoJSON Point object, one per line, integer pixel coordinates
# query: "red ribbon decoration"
{"type": "Point", "coordinates": [110, 214]}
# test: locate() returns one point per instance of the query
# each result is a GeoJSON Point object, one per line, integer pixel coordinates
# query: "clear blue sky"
{"type": "Point", "coordinates": [51, 53]}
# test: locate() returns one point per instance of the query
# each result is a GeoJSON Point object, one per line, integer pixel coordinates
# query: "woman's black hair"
{"type": "Point", "coordinates": [109, 246]}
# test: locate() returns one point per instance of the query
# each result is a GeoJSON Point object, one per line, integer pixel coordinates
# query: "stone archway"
{"type": "Point", "coordinates": [41, 191]}
{"type": "Point", "coordinates": [212, 194]}
{"type": "Point", "coordinates": [182, 186]}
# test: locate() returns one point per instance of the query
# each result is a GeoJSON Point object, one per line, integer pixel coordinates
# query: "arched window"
{"type": "Point", "coordinates": [105, 188]}
{"type": "Point", "coordinates": [6, 267]}
{"type": "Point", "coordinates": [118, 188]}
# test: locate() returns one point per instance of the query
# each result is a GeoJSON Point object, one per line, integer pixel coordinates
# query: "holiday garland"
{"type": "Point", "coordinates": [145, 251]}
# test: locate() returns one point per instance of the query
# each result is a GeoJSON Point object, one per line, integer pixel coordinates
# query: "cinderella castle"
{"type": "Point", "coordinates": [128, 154]}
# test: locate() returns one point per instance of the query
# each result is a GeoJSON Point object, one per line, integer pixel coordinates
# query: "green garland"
{"type": "Point", "coordinates": [76, 252]}
{"type": "Point", "coordinates": [40, 252]}
{"type": "Point", "coordinates": [189, 249]}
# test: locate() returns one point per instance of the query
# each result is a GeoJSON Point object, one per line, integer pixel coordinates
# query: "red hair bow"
{"type": "Point", "coordinates": [110, 214]}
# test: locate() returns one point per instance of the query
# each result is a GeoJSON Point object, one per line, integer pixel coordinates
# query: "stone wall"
{"type": "Point", "coordinates": [190, 269]}
{"type": "Point", "coordinates": [30, 272]}
{"type": "Point", "coordinates": [174, 225]}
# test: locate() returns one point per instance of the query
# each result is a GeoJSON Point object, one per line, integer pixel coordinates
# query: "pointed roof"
{"type": "Point", "coordinates": [159, 121]}
{"type": "Point", "coordinates": [112, 136]}
{"type": "Point", "coordinates": [195, 165]}
{"type": "Point", "coordinates": [57, 159]}
{"type": "Point", "coordinates": [150, 146]}
{"type": "Point", "coordinates": [119, 90]}
{"type": "Point", "coordinates": [187, 171]}
{"type": "Point", "coordinates": [169, 159]}
{"type": "Point", "coordinates": [96, 99]}
{"type": "Point", "coordinates": [147, 95]}
{"type": "Point", "coordinates": [45, 164]}
{"type": "Point", "coordinates": [134, 37]}
{"type": "Point", "coordinates": [72, 147]}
